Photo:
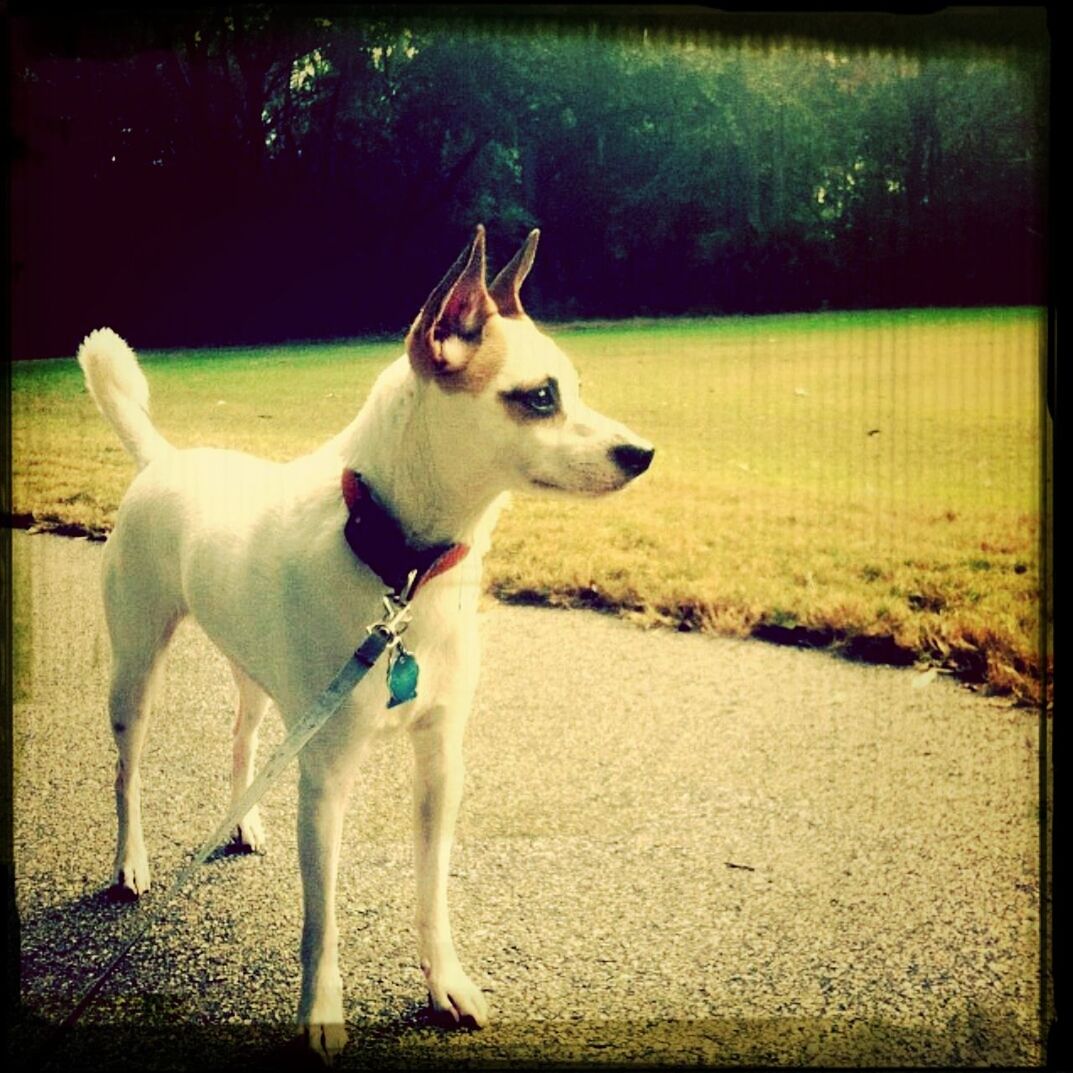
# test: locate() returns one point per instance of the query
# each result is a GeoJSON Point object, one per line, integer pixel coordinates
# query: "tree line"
{"type": "Point", "coordinates": [251, 174]}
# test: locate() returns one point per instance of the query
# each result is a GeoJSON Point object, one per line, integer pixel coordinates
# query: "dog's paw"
{"type": "Point", "coordinates": [324, 1041]}
{"type": "Point", "coordinates": [130, 880]}
{"type": "Point", "coordinates": [454, 1000]}
{"type": "Point", "coordinates": [249, 835]}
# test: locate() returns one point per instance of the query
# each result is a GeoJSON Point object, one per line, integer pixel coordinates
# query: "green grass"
{"type": "Point", "coordinates": [869, 480]}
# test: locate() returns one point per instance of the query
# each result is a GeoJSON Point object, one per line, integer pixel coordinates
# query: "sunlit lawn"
{"type": "Point", "coordinates": [820, 478]}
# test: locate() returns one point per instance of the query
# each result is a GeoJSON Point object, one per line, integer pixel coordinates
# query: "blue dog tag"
{"type": "Point", "coordinates": [402, 671]}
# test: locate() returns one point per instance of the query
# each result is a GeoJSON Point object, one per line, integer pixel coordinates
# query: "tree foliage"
{"type": "Point", "coordinates": [249, 174]}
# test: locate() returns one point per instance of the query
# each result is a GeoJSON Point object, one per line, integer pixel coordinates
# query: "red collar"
{"type": "Point", "coordinates": [377, 539]}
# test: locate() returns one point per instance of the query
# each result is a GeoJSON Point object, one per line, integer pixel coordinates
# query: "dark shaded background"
{"type": "Point", "coordinates": [258, 173]}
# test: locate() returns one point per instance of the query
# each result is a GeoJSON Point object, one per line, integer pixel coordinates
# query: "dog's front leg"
{"type": "Point", "coordinates": [437, 795]}
{"type": "Point", "coordinates": [321, 803]}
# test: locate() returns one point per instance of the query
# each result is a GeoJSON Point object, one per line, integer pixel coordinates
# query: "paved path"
{"type": "Point", "coordinates": [673, 849]}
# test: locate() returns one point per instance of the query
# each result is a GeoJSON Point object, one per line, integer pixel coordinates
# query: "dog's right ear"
{"type": "Point", "coordinates": [506, 286]}
{"type": "Point", "coordinates": [445, 333]}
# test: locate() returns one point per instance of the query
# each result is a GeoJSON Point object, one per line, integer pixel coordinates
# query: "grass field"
{"type": "Point", "coordinates": [870, 481]}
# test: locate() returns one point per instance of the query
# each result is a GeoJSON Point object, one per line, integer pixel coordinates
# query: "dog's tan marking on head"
{"type": "Point", "coordinates": [447, 332]}
{"type": "Point", "coordinates": [481, 361]}
{"type": "Point", "coordinates": [456, 340]}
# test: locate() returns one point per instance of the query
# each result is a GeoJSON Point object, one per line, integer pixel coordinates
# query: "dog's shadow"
{"type": "Point", "coordinates": [90, 913]}
{"type": "Point", "coordinates": [71, 942]}
{"type": "Point", "coordinates": [379, 1045]}
{"type": "Point", "coordinates": [79, 937]}
{"type": "Point", "coordinates": [229, 851]}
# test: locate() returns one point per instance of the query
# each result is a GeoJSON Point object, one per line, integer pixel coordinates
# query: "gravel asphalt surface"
{"type": "Point", "coordinates": [673, 849]}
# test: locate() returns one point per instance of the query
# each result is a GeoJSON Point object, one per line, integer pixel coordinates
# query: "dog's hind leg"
{"type": "Point", "coordinates": [248, 836]}
{"type": "Point", "coordinates": [138, 644]}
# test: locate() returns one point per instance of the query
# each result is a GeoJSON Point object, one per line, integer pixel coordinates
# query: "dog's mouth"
{"type": "Point", "coordinates": [588, 490]}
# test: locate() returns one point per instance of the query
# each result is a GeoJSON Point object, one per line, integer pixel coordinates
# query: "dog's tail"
{"type": "Point", "coordinates": [118, 386]}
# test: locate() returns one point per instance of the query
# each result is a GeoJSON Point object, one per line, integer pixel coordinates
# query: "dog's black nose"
{"type": "Point", "coordinates": [632, 460]}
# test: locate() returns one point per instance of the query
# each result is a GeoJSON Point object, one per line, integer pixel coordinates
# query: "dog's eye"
{"type": "Point", "coordinates": [534, 402]}
{"type": "Point", "coordinates": [542, 401]}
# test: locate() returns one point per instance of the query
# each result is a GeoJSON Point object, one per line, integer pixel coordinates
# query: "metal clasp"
{"type": "Point", "coordinates": [397, 612]}
{"type": "Point", "coordinates": [407, 593]}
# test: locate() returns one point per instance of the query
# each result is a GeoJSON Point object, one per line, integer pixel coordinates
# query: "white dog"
{"type": "Point", "coordinates": [285, 565]}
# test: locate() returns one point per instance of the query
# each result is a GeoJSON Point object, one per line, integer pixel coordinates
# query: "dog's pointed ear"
{"type": "Point", "coordinates": [507, 285]}
{"type": "Point", "coordinates": [456, 309]}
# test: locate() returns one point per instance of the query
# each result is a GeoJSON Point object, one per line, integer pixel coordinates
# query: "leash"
{"type": "Point", "coordinates": [378, 541]}
{"type": "Point", "coordinates": [402, 684]}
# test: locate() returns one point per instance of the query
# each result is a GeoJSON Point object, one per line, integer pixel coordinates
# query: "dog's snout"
{"type": "Point", "coordinates": [631, 459]}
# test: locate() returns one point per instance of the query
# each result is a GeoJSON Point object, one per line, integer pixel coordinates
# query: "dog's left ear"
{"type": "Point", "coordinates": [507, 285]}
{"type": "Point", "coordinates": [457, 309]}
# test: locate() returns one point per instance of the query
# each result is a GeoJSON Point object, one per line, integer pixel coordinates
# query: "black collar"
{"type": "Point", "coordinates": [377, 539]}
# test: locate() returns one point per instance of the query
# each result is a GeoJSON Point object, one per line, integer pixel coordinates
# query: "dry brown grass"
{"type": "Point", "coordinates": [867, 481]}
